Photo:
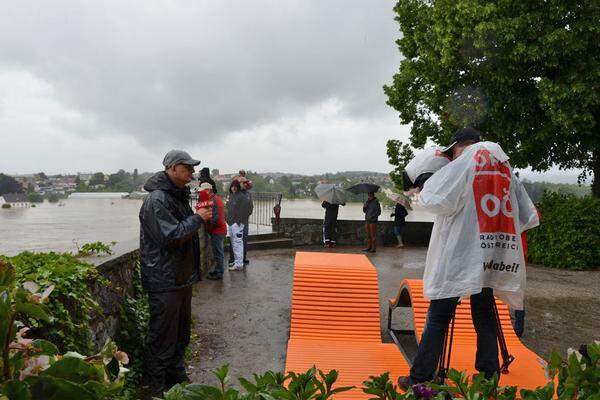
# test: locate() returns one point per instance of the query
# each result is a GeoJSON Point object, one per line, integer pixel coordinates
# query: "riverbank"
{"type": "Point", "coordinates": [244, 319]}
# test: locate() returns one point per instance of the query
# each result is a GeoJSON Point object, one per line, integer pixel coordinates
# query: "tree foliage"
{"type": "Point", "coordinates": [527, 74]}
{"type": "Point", "coordinates": [9, 185]}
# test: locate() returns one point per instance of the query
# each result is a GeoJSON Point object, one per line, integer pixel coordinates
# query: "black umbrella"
{"type": "Point", "coordinates": [363, 188]}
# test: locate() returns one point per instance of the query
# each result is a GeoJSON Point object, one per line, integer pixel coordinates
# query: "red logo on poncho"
{"type": "Point", "coordinates": [491, 188]}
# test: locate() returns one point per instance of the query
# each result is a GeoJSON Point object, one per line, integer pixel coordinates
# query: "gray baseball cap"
{"type": "Point", "coordinates": [174, 157]}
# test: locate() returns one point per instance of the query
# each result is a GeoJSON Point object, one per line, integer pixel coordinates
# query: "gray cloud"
{"type": "Point", "coordinates": [196, 71]}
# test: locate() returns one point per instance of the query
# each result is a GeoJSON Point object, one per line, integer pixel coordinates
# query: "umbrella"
{"type": "Point", "coordinates": [363, 188]}
{"type": "Point", "coordinates": [330, 193]}
{"type": "Point", "coordinates": [398, 198]}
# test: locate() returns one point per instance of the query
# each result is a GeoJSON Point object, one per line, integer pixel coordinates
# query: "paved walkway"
{"type": "Point", "coordinates": [244, 319]}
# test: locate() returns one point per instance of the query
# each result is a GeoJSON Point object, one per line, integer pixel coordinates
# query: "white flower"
{"type": "Point", "coordinates": [122, 357]}
{"type": "Point", "coordinates": [32, 287]}
{"type": "Point", "coordinates": [34, 366]}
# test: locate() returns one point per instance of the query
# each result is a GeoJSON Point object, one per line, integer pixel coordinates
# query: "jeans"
{"type": "Point", "coordinates": [438, 319]}
{"type": "Point", "coordinates": [217, 248]}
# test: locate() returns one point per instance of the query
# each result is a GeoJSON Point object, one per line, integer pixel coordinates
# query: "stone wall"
{"type": "Point", "coordinates": [309, 231]}
{"type": "Point", "coordinates": [119, 269]}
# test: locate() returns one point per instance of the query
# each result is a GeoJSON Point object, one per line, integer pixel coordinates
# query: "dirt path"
{"type": "Point", "coordinates": [243, 320]}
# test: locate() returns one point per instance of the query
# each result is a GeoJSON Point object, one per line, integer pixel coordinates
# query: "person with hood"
{"type": "Point", "coordinates": [237, 209]}
{"type": "Point", "coordinates": [170, 264]}
{"type": "Point", "coordinates": [372, 210]}
{"type": "Point", "coordinates": [246, 185]}
{"type": "Point", "coordinates": [399, 216]}
{"type": "Point", "coordinates": [205, 177]}
{"type": "Point", "coordinates": [475, 251]}
{"type": "Point", "coordinates": [330, 223]}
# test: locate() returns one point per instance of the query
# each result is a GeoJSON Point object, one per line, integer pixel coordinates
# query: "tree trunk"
{"type": "Point", "coordinates": [596, 172]}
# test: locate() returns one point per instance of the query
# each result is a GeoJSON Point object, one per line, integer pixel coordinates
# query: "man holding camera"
{"type": "Point", "coordinates": [481, 208]}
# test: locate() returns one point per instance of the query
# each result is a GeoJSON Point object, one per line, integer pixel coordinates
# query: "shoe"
{"type": "Point", "coordinates": [214, 276]}
{"type": "Point", "coordinates": [367, 250]}
{"type": "Point", "coordinates": [246, 262]}
{"type": "Point", "coordinates": [405, 382]}
{"type": "Point", "coordinates": [332, 245]}
{"type": "Point", "coordinates": [232, 267]}
{"type": "Point", "coordinates": [372, 251]}
{"type": "Point", "coordinates": [177, 379]}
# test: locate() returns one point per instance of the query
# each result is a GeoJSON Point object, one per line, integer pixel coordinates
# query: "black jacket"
{"type": "Point", "coordinates": [372, 210]}
{"type": "Point", "coordinates": [399, 214]}
{"type": "Point", "coordinates": [169, 245]}
{"type": "Point", "coordinates": [331, 211]}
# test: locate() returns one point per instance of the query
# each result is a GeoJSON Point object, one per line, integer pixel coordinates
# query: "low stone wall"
{"type": "Point", "coordinates": [119, 269]}
{"type": "Point", "coordinates": [309, 231]}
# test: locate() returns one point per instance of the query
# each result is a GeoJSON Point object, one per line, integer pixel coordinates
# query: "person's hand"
{"type": "Point", "coordinates": [205, 213]}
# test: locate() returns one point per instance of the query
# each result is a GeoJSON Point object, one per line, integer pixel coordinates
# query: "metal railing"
{"type": "Point", "coordinates": [267, 205]}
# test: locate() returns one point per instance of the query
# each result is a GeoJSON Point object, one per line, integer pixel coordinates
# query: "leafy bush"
{"type": "Point", "coordinates": [6, 205]}
{"type": "Point", "coordinates": [578, 378]}
{"type": "Point", "coordinates": [95, 248]}
{"type": "Point", "coordinates": [569, 233]}
{"type": "Point", "coordinates": [34, 369]}
{"type": "Point", "coordinates": [71, 306]}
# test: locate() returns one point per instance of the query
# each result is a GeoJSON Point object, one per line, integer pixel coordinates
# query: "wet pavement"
{"type": "Point", "coordinates": [244, 319]}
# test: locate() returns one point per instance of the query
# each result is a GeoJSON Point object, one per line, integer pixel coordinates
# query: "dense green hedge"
{"type": "Point", "coordinates": [569, 233]}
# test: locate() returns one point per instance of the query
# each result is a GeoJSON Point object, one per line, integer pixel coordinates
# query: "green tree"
{"type": "Point", "coordinates": [9, 185]}
{"type": "Point", "coordinates": [526, 73]}
{"type": "Point", "coordinates": [97, 179]}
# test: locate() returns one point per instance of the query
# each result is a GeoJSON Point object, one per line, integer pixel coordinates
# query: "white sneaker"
{"type": "Point", "coordinates": [232, 267]}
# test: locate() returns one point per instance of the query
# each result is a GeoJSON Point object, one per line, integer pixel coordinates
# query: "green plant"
{"type": "Point", "coordinates": [133, 327]}
{"type": "Point", "coordinates": [569, 232]}
{"type": "Point", "coordinates": [34, 369]}
{"type": "Point", "coordinates": [311, 385]}
{"type": "Point", "coordinates": [95, 248]}
{"type": "Point", "coordinates": [6, 205]}
{"type": "Point", "coordinates": [71, 306]}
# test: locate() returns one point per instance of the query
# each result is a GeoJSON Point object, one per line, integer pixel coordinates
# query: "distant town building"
{"type": "Point", "coordinates": [18, 200]}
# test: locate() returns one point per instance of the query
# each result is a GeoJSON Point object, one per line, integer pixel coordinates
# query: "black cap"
{"type": "Point", "coordinates": [463, 135]}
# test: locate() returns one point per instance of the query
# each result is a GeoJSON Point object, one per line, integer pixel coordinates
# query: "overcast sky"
{"type": "Point", "coordinates": [281, 85]}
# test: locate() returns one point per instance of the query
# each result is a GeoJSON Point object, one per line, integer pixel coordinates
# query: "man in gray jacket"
{"type": "Point", "coordinates": [170, 261]}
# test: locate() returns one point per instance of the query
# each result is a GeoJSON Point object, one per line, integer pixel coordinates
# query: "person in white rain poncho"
{"type": "Point", "coordinates": [475, 249]}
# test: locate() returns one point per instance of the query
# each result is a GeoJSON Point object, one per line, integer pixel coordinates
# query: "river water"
{"type": "Point", "coordinates": [61, 226]}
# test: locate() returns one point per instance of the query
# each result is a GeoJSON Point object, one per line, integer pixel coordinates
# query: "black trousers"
{"type": "Point", "coordinates": [330, 230]}
{"type": "Point", "coordinates": [438, 318]}
{"type": "Point", "coordinates": [168, 336]}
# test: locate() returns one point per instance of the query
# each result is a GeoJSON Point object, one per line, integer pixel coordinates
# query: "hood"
{"type": "Point", "coordinates": [492, 147]}
{"type": "Point", "coordinates": [205, 172]}
{"type": "Point", "coordinates": [161, 181]}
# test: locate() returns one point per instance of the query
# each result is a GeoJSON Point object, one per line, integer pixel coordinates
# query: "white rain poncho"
{"type": "Point", "coordinates": [481, 210]}
{"type": "Point", "coordinates": [425, 161]}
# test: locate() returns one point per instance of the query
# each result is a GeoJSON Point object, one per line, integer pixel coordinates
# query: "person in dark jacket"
{"type": "Point", "coordinates": [237, 211]}
{"type": "Point", "coordinates": [330, 223]}
{"type": "Point", "coordinates": [399, 216]}
{"type": "Point", "coordinates": [205, 177]}
{"type": "Point", "coordinates": [170, 261]}
{"type": "Point", "coordinates": [372, 211]}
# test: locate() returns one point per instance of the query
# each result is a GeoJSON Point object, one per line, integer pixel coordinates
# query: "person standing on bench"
{"type": "Point", "coordinates": [481, 208]}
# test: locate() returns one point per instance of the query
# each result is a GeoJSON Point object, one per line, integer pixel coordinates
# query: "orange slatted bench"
{"type": "Point", "coordinates": [335, 321]}
{"type": "Point", "coordinates": [526, 371]}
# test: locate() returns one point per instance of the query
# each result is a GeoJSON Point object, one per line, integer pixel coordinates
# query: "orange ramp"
{"type": "Point", "coordinates": [526, 371]}
{"type": "Point", "coordinates": [335, 321]}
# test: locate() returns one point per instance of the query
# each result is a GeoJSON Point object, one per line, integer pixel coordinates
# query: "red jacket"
{"type": "Point", "coordinates": [220, 226]}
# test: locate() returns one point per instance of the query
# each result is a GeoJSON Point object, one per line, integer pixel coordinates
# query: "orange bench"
{"type": "Point", "coordinates": [526, 371]}
{"type": "Point", "coordinates": [335, 322]}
